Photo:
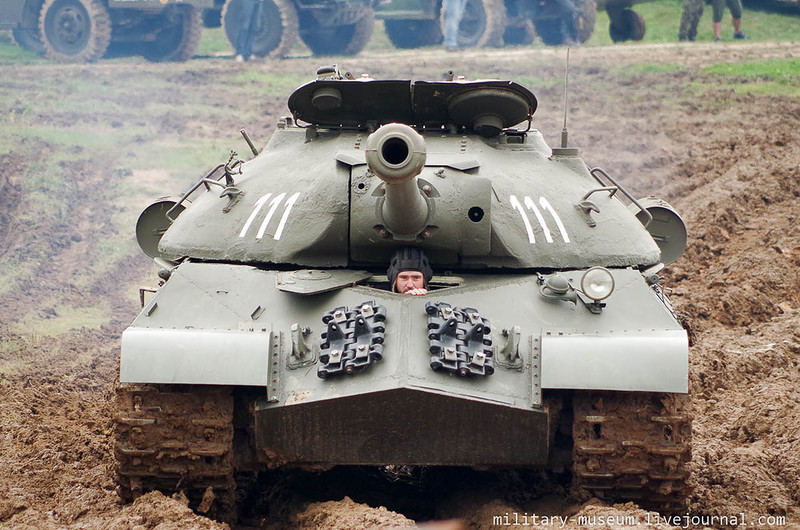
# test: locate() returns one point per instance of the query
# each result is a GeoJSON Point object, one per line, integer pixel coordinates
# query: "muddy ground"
{"type": "Point", "coordinates": [728, 161]}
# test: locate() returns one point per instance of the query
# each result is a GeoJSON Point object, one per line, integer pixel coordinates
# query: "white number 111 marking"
{"type": "Point", "coordinates": [531, 205]}
{"type": "Point", "coordinates": [273, 206]}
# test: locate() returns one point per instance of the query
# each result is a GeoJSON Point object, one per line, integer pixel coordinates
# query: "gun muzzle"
{"type": "Point", "coordinates": [396, 154]}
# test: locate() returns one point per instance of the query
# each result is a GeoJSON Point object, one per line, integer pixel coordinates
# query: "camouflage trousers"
{"type": "Point", "coordinates": [692, 11]}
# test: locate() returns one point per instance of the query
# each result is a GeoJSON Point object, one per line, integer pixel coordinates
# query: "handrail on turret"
{"type": "Point", "coordinates": [625, 192]}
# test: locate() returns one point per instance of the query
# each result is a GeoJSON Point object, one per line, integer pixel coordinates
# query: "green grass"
{"type": "Point", "coordinates": [662, 19]}
{"type": "Point", "coordinates": [13, 54]}
{"type": "Point", "coordinates": [379, 39]}
{"type": "Point", "coordinates": [58, 318]}
{"type": "Point", "coordinates": [83, 136]}
{"type": "Point", "coordinates": [185, 159]}
{"type": "Point", "coordinates": [774, 77]}
{"type": "Point", "coordinates": [73, 126]}
{"type": "Point", "coordinates": [779, 70]}
{"type": "Point", "coordinates": [108, 252]}
{"type": "Point", "coordinates": [50, 188]}
{"type": "Point", "coordinates": [213, 42]}
{"type": "Point", "coordinates": [271, 82]}
{"type": "Point", "coordinates": [16, 360]}
{"type": "Point", "coordinates": [13, 269]}
{"type": "Point", "coordinates": [653, 68]}
{"type": "Point", "coordinates": [12, 361]}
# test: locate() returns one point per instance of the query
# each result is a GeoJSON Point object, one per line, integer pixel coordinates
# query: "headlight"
{"type": "Point", "coordinates": [597, 283]}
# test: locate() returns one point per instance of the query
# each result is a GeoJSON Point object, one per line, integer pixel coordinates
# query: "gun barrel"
{"type": "Point", "coordinates": [396, 154]}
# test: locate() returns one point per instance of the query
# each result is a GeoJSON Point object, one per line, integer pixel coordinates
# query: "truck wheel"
{"type": "Point", "coordinates": [629, 25]}
{"type": "Point", "coordinates": [74, 31]}
{"type": "Point", "coordinates": [413, 33]}
{"type": "Point", "coordinates": [482, 24]}
{"type": "Point", "coordinates": [549, 30]}
{"type": "Point", "coordinates": [28, 39]}
{"type": "Point", "coordinates": [275, 31]}
{"type": "Point", "coordinates": [27, 36]}
{"type": "Point", "coordinates": [523, 34]}
{"type": "Point", "coordinates": [345, 39]}
{"type": "Point", "coordinates": [179, 37]}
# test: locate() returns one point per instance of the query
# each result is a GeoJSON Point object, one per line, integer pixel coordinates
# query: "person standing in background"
{"type": "Point", "coordinates": [453, 11]}
{"type": "Point", "coordinates": [249, 11]}
{"type": "Point", "coordinates": [568, 20]}
{"type": "Point", "coordinates": [692, 11]}
{"type": "Point", "coordinates": [736, 12]}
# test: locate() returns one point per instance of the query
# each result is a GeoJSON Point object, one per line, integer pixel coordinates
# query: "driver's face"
{"type": "Point", "coordinates": [410, 280]}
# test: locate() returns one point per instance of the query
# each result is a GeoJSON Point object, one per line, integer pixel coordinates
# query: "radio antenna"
{"type": "Point", "coordinates": [564, 134]}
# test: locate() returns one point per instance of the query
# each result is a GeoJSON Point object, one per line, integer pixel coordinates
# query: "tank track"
{"type": "Point", "coordinates": [177, 438]}
{"type": "Point", "coordinates": [632, 446]}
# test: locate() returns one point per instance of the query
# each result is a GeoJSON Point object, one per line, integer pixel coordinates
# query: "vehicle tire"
{"type": "Point", "coordinates": [74, 31]}
{"type": "Point", "coordinates": [28, 39]}
{"type": "Point", "coordinates": [345, 39]}
{"type": "Point", "coordinates": [178, 39]}
{"type": "Point", "coordinates": [628, 26]}
{"type": "Point", "coordinates": [28, 36]}
{"type": "Point", "coordinates": [412, 33]}
{"type": "Point", "coordinates": [587, 15]}
{"type": "Point", "coordinates": [275, 32]}
{"type": "Point", "coordinates": [483, 23]}
{"type": "Point", "coordinates": [549, 30]}
{"type": "Point", "coordinates": [523, 34]}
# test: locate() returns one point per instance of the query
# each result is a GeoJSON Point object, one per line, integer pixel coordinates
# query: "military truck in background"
{"type": "Point", "coordinates": [415, 23]}
{"type": "Point", "coordinates": [343, 27]}
{"type": "Point", "coordinates": [327, 27]}
{"type": "Point", "coordinates": [77, 31]}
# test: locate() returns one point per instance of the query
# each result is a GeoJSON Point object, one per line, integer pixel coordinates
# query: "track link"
{"type": "Point", "coordinates": [632, 446]}
{"type": "Point", "coordinates": [177, 438]}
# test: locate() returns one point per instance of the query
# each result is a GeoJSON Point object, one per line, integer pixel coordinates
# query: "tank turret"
{"type": "Point", "coordinates": [544, 338]}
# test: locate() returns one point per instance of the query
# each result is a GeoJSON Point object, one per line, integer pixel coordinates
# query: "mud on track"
{"type": "Point", "coordinates": [729, 162]}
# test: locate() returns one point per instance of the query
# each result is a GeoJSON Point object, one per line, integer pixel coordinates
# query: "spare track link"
{"type": "Point", "coordinates": [177, 438]}
{"type": "Point", "coordinates": [632, 446]}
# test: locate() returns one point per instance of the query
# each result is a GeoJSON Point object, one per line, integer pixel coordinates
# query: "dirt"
{"type": "Point", "coordinates": [729, 162]}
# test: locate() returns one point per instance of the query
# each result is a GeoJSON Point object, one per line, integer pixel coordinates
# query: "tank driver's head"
{"type": "Point", "coordinates": [409, 271]}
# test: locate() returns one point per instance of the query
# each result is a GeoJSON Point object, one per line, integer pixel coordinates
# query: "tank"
{"type": "Point", "coordinates": [545, 340]}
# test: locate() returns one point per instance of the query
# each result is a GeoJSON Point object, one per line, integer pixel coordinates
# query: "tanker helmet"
{"type": "Point", "coordinates": [409, 259]}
